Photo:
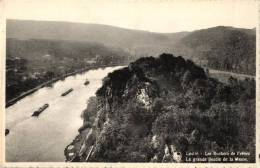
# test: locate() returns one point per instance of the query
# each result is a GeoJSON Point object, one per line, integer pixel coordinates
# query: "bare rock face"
{"type": "Point", "coordinates": [143, 95]}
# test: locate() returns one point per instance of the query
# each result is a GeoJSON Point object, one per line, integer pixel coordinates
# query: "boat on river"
{"type": "Point", "coordinates": [6, 132]}
{"type": "Point", "coordinates": [40, 110]}
{"type": "Point", "coordinates": [67, 92]}
{"type": "Point", "coordinates": [86, 82]}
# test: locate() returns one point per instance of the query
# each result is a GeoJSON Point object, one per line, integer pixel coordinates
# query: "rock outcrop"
{"type": "Point", "coordinates": [157, 109]}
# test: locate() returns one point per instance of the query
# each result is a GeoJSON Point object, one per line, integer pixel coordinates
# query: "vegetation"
{"type": "Point", "coordinates": [89, 114]}
{"type": "Point", "coordinates": [30, 63]}
{"type": "Point", "coordinates": [158, 102]}
{"type": "Point", "coordinates": [222, 48]}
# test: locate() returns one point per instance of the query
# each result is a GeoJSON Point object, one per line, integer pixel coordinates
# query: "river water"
{"type": "Point", "coordinates": [43, 139]}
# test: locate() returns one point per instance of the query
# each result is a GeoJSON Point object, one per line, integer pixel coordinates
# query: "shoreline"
{"type": "Point", "coordinates": [24, 94]}
{"type": "Point", "coordinates": [29, 92]}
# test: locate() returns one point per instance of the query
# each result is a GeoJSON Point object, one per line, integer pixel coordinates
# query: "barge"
{"type": "Point", "coordinates": [6, 132]}
{"type": "Point", "coordinates": [41, 109]}
{"type": "Point", "coordinates": [67, 92]}
{"type": "Point", "coordinates": [86, 82]}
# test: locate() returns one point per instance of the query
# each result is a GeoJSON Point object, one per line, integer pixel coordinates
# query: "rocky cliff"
{"type": "Point", "coordinates": [159, 109]}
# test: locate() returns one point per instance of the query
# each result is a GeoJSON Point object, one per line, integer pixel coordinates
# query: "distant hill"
{"type": "Point", "coordinates": [35, 50]}
{"type": "Point", "coordinates": [108, 35]}
{"type": "Point", "coordinates": [224, 48]}
{"type": "Point", "coordinates": [32, 62]}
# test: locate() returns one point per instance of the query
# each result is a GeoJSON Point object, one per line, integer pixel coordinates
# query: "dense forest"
{"type": "Point", "coordinates": [160, 109]}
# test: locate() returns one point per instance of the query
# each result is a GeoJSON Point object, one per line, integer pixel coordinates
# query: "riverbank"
{"type": "Point", "coordinates": [24, 94]}
{"type": "Point", "coordinates": [81, 147]}
{"type": "Point", "coordinates": [236, 75]}
{"type": "Point", "coordinates": [223, 76]}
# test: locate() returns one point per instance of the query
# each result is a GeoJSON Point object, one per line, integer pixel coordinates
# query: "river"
{"type": "Point", "coordinates": [43, 139]}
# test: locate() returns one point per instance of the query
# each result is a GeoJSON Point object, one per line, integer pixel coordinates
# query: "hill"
{"type": "Point", "coordinates": [110, 36]}
{"type": "Point", "coordinates": [32, 62]}
{"type": "Point", "coordinates": [160, 110]}
{"type": "Point", "coordinates": [223, 48]}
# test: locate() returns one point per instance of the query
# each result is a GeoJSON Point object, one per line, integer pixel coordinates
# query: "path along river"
{"type": "Point", "coordinates": [43, 139]}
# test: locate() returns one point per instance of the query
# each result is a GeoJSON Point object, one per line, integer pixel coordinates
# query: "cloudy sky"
{"type": "Point", "coordinates": [151, 15]}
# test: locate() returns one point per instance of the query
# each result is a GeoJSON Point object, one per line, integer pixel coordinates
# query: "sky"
{"type": "Point", "coordinates": [151, 15]}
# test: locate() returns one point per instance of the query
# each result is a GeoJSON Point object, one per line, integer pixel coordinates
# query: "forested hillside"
{"type": "Point", "coordinates": [160, 109]}
{"type": "Point", "coordinates": [41, 50]}
{"type": "Point", "coordinates": [35, 61]}
{"type": "Point", "coordinates": [134, 41]}
{"type": "Point", "coordinates": [223, 48]}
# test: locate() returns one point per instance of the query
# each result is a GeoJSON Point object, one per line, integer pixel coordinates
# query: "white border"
{"type": "Point", "coordinates": [117, 165]}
